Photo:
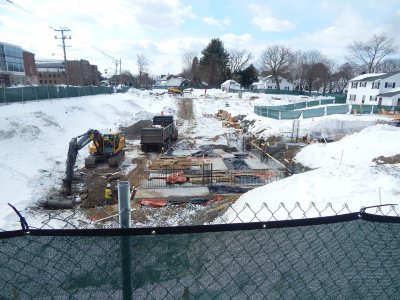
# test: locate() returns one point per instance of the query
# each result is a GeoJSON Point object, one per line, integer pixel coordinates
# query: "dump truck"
{"type": "Point", "coordinates": [159, 135]}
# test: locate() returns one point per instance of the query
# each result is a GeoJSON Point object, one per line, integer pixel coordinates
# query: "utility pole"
{"type": "Point", "coordinates": [116, 66]}
{"type": "Point", "coordinates": [63, 38]}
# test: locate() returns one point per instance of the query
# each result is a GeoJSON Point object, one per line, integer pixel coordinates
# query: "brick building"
{"type": "Point", "coordinates": [51, 73]}
{"type": "Point", "coordinates": [80, 73]}
{"type": "Point", "coordinates": [31, 73]}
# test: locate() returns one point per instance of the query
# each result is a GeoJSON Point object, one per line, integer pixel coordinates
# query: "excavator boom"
{"type": "Point", "coordinates": [76, 144]}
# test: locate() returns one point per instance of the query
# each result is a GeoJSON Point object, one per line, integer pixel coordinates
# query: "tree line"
{"type": "Point", "coordinates": [308, 70]}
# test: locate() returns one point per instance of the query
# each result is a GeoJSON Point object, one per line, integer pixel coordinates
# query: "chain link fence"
{"type": "Point", "coordinates": [284, 253]}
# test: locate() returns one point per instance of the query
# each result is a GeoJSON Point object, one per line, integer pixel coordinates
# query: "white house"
{"type": "Point", "coordinates": [230, 85]}
{"type": "Point", "coordinates": [268, 83]}
{"type": "Point", "coordinates": [171, 81]}
{"type": "Point", "coordinates": [378, 88]}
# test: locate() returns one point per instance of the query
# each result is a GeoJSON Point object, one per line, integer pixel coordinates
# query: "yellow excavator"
{"type": "Point", "coordinates": [104, 147]}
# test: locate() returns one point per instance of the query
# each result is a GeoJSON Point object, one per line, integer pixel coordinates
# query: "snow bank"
{"type": "Point", "coordinates": [35, 137]}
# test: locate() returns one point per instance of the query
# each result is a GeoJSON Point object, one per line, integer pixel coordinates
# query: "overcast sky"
{"type": "Point", "coordinates": [163, 30]}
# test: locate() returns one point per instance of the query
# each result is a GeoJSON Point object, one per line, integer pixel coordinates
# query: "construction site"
{"type": "Point", "coordinates": [187, 158]}
{"type": "Point", "coordinates": [169, 170]}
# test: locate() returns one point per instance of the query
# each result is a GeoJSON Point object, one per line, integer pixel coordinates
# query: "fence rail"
{"type": "Point", "coordinates": [352, 255]}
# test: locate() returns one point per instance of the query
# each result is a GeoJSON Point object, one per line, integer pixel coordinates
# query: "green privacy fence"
{"type": "Point", "coordinates": [351, 256]}
{"type": "Point", "coordinates": [21, 94]}
{"type": "Point", "coordinates": [292, 111]}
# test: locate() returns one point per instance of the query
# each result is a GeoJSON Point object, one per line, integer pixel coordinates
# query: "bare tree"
{"type": "Point", "coordinates": [341, 77]}
{"type": "Point", "coordinates": [295, 73]}
{"type": "Point", "coordinates": [370, 54]}
{"type": "Point", "coordinates": [276, 60]}
{"type": "Point", "coordinates": [238, 59]}
{"type": "Point", "coordinates": [187, 60]}
{"type": "Point", "coordinates": [142, 65]}
{"type": "Point", "coordinates": [389, 65]}
{"type": "Point", "coordinates": [313, 67]}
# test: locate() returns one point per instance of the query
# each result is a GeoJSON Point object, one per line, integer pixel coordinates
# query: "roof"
{"type": "Point", "coordinates": [230, 81]}
{"type": "Point", "coordinates": [373, 76]}
{"type": "Point", "coordinates": [172, 82]}
{"type": "Point", "coordinates": [391, 93]}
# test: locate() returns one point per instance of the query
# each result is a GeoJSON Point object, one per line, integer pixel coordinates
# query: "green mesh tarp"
{"type": "Point", "coordinates": [274, 114]}
{"type": "Point", "coordinates": [340, 99]}
{"type": "Point", "coordinates": [289, 115]}
{"type": "Point", "coordinates": [312, 103]}
{"type": "Point", "coordinates": [387, 108]}
{"type": "Point", "coordinates": [313, 112]}
{"type": "Point", "coordinates": [327, 101]}
{"type": "Point", "coordinates": [30, 93]}
{"type": "Point", "coordinates": [300, 105]}
{"type": "Point", "coordinates": [339, 109]}
{"type": "Point", "coordinates": [362, 108]}
{"type": "Point", "coordinates": [339, 257]}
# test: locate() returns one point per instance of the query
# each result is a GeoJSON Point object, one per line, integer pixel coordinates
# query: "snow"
{"type": "Point", "coordinates": [364, 76]}
{"type": "Point", "coordinates": [35, 137]}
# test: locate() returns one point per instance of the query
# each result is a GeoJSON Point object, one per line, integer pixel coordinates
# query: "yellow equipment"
{"type": "Point", "coordinates": [175, 91]}
{"type": "Point", "coordinates": [104, 147]}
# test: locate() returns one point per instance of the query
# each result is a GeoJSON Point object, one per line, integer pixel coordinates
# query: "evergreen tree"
{"type": "Point", "coordinates": [195, 70]}
{"type": "Point", "coordinates": [214, 63]}
{"type": "Point", "coordinates": [248, 76]}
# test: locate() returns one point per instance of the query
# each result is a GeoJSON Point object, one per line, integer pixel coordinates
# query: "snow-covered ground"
{"type": "Point", "coordinates": [35, 137]}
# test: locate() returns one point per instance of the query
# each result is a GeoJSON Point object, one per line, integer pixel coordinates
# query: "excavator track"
{"type": "Point", "coordinates": [116, 160]}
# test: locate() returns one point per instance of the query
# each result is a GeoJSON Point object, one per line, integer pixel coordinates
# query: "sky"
{"type": "Point", "coordinates": [164, 30]}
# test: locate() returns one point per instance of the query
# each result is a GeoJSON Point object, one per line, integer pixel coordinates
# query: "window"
{"type": "Point", "coordinates": [375, 85]}
{"type": "Point", "coordinates": [40, 81]}
{"type": "Point", "coordinates": [40, 74]}
{"type": "Point", "coordinates": [354, 85]}
{"type": "Point", "coordinates": [55, 81]}
{"type": "Point", "coordinates": [353, 97]}
{"type": "Point", "coordinates": [269, 87]}
{"type": "Point", "coordinates": [363, 84]}
{"type": "Point", "coordinates": [370, 98]}
{"type": "Point", "coordinates": [50, 81]}
{"type": "Point", "coordinates": [45, 81]}
{"type": "Point", "coordinates": [390, 84]}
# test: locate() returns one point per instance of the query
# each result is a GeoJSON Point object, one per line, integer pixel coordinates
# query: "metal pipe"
{"type": "Point", "coordinates": [124, 204]}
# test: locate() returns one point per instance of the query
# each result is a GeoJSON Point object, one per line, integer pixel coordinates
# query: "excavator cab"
{"type": "Point", "coordinates": [109, 144]}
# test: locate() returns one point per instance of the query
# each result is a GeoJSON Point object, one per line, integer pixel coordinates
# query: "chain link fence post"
{"type": "Point", "coordinates": [125, 221]}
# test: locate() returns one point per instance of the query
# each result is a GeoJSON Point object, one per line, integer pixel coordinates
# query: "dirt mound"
{"type": "Point", "coordinates": [93, 193]}
{"type": "Point", "coordinates": [395, 159]}
{"type": "Point", "coordinates": [133, 132]}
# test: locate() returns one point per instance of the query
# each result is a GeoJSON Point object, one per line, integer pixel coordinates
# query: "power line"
{"type": "Point", "coordinates": [116, 61]}
{"type": "Point", "coordinates": [63, 38]}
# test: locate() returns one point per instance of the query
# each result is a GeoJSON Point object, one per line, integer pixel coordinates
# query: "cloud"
{"type": "Point", "coordinates": [217, 22]}
{"type": "Point", "coordinates": [263, 19]}
{"type": "Point", "coordinates": [332, 40]}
